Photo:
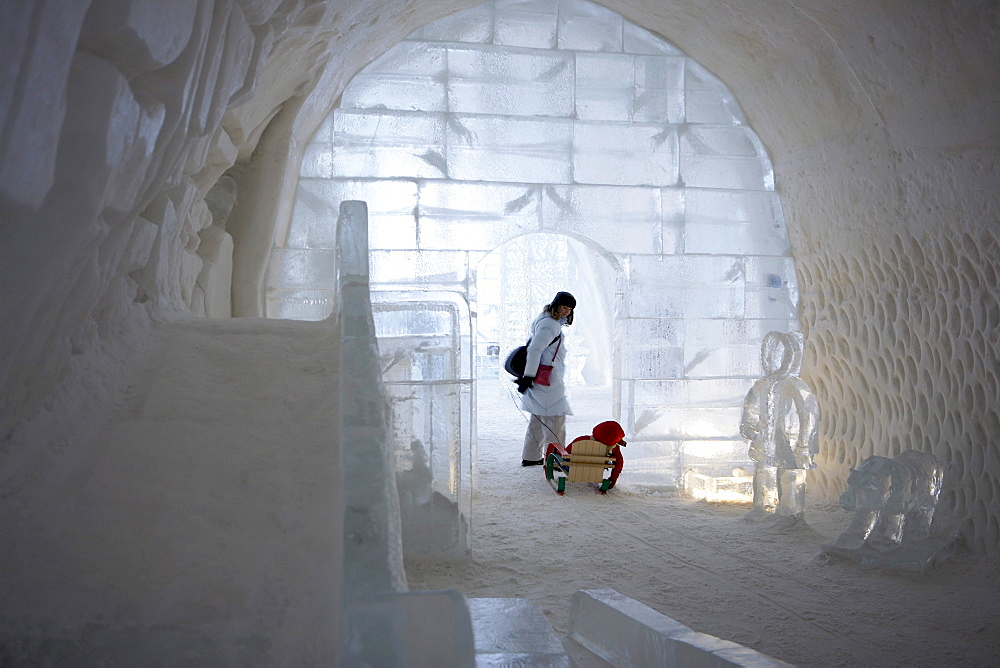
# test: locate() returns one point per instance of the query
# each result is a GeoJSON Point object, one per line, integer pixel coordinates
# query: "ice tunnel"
{"type": "Point", "coordinates": [170, 472]}
{"type": "Point", "coordinates": [566, 121]}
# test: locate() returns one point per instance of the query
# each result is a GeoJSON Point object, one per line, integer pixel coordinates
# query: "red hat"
{"type": "Point", "coordinates": [609, 433]}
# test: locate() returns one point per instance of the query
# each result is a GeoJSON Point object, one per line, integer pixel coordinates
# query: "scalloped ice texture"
{"type": "Point", "coordinates": [922, 360]}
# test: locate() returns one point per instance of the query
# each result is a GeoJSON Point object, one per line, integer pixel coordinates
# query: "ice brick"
{"type": "Point", "coordinates": [390, 212]}
{"type": "Point", "coordinates": [719, 156]}
{"type": "Point", "coordinates": [510, 82]}
{"type": "Point", "coordinates": [732, 206]}
{"type": "Point", "coordinates": [389, 144]}
{"type": "Point", "coordinates": [676, 286]}
{"type": "Point", "coordinates": [474, 26]}
{"type": "Point", "coordinates": [652, 363]}
{"type": "Point", "coordinates": [409, 77]}
{"type": "Point", "coordinates": [718, 456]}
{"type": "Point", "coordinates": [722, 392]}
{"type": "Point", "coordinates": [734, 222]}
{"type": "Point", "coordinates": [584, 26]}
{"type": "Point", "coordinates": [476, 215]}
{"type": "Point", "coordinates": [737, 359]}
{"type": "Point", "coordinates": [672, 204]}
{"type": "Point", "coordinates": [528, 24]}
{"type": "Point", "coordinates": [496, 148]}
{"type": "Point", "coordinates": [770, 303]}
{"type": "Point", "coordinates": [604, 86]}
{"type": "Point", "coordinates": [621, 219]}
{"type": "Point", "coordinates": [707, 100]}
{"type": "Point", "coordinates": [307, 269]}
{"type": "Point", "coordinates": [419, 267]}
{"type": "Point", "coordinates": [685, 422]}
{"type": "Point", "coordinates": [317, 161]}
{"type": "Point", "coordinates": [729, 332]}
{"type": "Point", "coordinates": [628, 154]}
{"type": "Point", "coordinates": [734, 239]}
{"type": "Point", "coordinates": [652, 464]}
{"type": "Point", "coordinates": [659, 89]}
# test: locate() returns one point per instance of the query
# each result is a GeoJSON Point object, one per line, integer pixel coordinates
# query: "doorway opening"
{"type": "Point", "coordinates": [512, 284]}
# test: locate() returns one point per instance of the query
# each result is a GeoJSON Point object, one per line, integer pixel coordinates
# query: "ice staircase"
{"type": "Point", "coordinates": [514, 632]}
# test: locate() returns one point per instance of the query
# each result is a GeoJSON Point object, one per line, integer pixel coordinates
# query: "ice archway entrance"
{"type": "Point", "coordinates": [558, 116]}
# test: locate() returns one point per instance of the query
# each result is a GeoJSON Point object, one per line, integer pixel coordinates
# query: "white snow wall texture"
{"type": "Point", "coordinates": [117, 122]}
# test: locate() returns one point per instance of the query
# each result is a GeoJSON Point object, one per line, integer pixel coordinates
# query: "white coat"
{"type": "Point", "coordinates": [543, 349]}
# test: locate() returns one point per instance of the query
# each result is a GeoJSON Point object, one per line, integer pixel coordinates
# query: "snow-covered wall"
{"type": "Point", "coordinates": [118, 122]}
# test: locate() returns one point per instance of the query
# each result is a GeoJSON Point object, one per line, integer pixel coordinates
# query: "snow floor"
{"type": "Point", "coordinates": [702, 565]}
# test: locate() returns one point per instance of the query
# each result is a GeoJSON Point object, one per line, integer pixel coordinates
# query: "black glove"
{"type": "Point", "coordinates": [524, 382]}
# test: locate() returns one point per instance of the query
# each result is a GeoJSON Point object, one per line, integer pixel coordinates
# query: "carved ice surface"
{"type": "Point", "coordinates": [780, 417]}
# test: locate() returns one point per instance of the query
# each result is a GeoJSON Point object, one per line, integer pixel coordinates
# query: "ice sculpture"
{"type": "Point", "coordinates": [889, 496]}
{"type": "Point", "coordinates": [780, 417]}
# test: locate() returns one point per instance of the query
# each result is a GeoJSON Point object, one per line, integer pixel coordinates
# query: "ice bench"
{"type": "Point", "coordinates": [625, 632]}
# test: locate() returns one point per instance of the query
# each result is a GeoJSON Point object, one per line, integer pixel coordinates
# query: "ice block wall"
{"type": "Point", "coordinates": [560, 117]}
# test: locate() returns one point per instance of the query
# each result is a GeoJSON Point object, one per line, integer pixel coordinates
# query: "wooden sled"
{"type": "Point", "coordinates": [584, 460]}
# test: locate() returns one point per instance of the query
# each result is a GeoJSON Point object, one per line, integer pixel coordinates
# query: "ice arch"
{"type": "Point", "coordinates": [562, 116]}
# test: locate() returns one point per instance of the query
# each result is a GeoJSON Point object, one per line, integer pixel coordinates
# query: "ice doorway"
{"type": "Point", "coordinates": [513, 283]}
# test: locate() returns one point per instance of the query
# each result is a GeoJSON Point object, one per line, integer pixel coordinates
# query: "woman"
{"type": "Point", "coordinates": [545, 398]}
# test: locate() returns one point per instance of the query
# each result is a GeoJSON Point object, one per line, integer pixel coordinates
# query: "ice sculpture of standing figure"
{"type": "Point", "coordinates": [780, 417]}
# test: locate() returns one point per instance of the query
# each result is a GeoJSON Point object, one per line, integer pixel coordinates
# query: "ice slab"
{"type": "Point", "coordinates": [625, 632]}
{"type": "Point", "coordinates": [659, 89]}
{"type": "Point", "coordinates": [473, 26]}
{"type": "Point", "coordinates": [652, 464]}
{"type": "Point", "coordinates": [389, 144]}
{"type": "Point", "coordinates": [605, 85]}
{"type": "Point", "coordinates": [621, 219]}
{"type": "Point", "coordinates": [509, 149]}
{"type": "Point", "coordinates": [685, 422]}
{"type": "Point", "coordinates": [530, 24]}
{"type": "Point", "coordinates": [707, 100]}
{"type": "Point", "coordinates": [627, 154]}
{"type": "Point", "coordinates": [306, 269]}
{"type": "Point", "coordinates": [410, 77]}
{"type": "Point", "coordinates": [688, 286]}
{"type": "Point", "coordinates": [724, 156]}
{"type": "Point", "coordinates": [513, 632]}
{"type": "Point", "coordinates": [420, 267]}
{"type": "Point", "coordinates": [694, 392]}
{"type": "Point", "coordinates": [478, 216]}
{"type": "Point", "coordinates": [584, 26]}
{"type": "Point", "coordinates": [509, 82]}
